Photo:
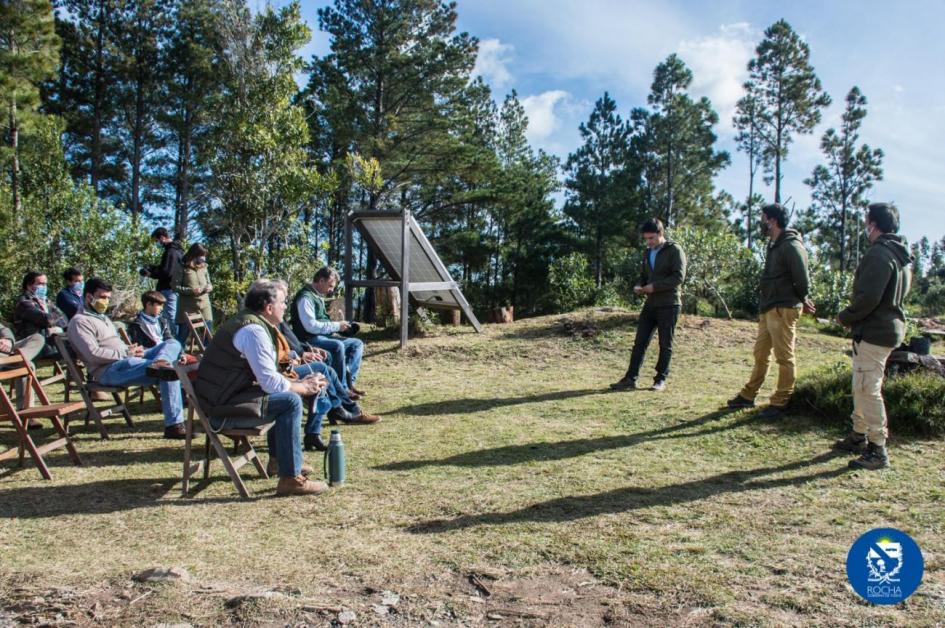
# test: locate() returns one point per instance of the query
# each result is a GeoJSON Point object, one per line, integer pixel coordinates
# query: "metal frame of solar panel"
{"type": "Point", "coordinates": [398, 242]}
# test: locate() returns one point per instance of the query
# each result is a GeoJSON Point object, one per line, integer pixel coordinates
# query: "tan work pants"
{"type": "Point", "coordinates": [777, 331]}
{"type": "Point", "coordinates": [869, 411]}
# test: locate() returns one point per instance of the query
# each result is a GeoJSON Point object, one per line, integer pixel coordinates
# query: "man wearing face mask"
{"type": "Point", "coordinates": [311, 323]}
{"type": "Point", "coordinates": [662, 273]}
{"type": "Point", "coordinates": [113, 363]}
{"type": "Point", "coordinates": [784, 288]}
{"type": "Point", "coordinates": [165, 271]}
{"type": "Point", "coordinates": [34, 314]}
{"type": "Point", "coordinates": [69, 299]}
{"type": "Point", "coordinates": [878, 321]}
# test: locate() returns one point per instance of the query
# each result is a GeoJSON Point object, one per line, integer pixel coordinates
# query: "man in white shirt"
{"type": "Point", "coordinates": [239, 384]}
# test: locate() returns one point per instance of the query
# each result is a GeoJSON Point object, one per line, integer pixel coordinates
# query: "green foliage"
{"type": "Point", "coordinates": [720, 271]}
{"type": "Point", "coordinates": [915, 402]}
{"type": "Point", "coordinates": [830, 290]}
{"type": "Point", "coordinates": [63, 224]}
{"type": "Point", "coordinates": [570, 284]}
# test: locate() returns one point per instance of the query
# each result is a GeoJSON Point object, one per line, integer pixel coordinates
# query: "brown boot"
{"type": "Point", "coordinates": [299, 485]}
{"type": "Point", "coordinates": [365, 419]}
{"type": "Point", "coordinates": [272, 468]}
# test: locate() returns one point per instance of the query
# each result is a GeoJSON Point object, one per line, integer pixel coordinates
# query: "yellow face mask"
{"type": "Point", "coordinates": [100, 305]}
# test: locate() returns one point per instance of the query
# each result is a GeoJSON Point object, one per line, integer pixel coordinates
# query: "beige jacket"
{"type": "Point", "coordinates": [96, 342]}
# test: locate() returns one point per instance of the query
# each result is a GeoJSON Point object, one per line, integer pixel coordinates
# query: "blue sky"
{"type": "Point", "coordinates": [562, 55]}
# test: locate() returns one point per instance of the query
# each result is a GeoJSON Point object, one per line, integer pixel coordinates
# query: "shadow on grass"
{"type": "Point", "coordinates": [464, 406]}
{"type": "Point", "coordinates": [560, 450]}
{"type": "Point", "coordinates": [107, 496]}
{"type": "Point", "coordinates": [631, 498]}
{"type": "Point", "coordinates": [555, 329]}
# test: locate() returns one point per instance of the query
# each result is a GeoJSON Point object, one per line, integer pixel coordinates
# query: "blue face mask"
{"type": "Point", "coordinates": [77, 288]}
{"type": "Point", "coordinates": [41, 291]}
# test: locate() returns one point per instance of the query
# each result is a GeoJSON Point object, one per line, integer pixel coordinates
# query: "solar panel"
{"type": "Point", "coordinates": [383, 232]}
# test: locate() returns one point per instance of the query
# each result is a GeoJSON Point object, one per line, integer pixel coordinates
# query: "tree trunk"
{"type": "Point", "coordinates": [15, 161]}
{"type": "Point", "coordinates": [98, 99]}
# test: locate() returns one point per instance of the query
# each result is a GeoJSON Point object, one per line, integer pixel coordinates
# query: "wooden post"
{"type": "Point", "coordinates": [349, 290]}
{"type": "Point", "coordinates": [404, 279]}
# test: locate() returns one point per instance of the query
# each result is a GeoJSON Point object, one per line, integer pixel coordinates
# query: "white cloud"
{"type": "Point", "coordinates": [543, 118]}
{"type": "Point", "coordinates": [719, 65]}
{"type": "Point", "coordinates": [492, 63]}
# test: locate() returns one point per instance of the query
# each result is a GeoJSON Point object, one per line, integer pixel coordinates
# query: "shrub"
{"type": "Point", "coordinates": [570, 283]}
{"type": "Point", "coordinates": [830, 291]}
{"type": "Point", "coordinates": [915, 401]}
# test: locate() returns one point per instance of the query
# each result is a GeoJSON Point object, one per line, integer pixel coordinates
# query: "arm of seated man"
{"type": "Point", "coordinates": [256, 346]}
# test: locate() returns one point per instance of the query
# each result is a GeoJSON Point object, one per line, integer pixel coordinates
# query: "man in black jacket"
{"type": "Point", "coordinates": [662, 273]}
{"type": "Point", "coordinates": [164, 271]}
{"type": "Point", "coordinates": [878, 321]}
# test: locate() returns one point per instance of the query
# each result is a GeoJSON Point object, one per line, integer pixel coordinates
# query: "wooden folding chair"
{"type": "Point", "coordinates": [200, 334]}
{"type": "Point", "coordinates": [125, 338]}
{"type": "Point", "coordinates": [15, 366]}
{"type": "Point", "coordinates": [212, 442]}
{"type": "Point", "coordinates": [87, 388]}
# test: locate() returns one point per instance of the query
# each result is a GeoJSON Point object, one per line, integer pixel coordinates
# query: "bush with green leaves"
{"type": "Point", "coordinates": [915, 402]}
{"type": "Point", "coordinates": [830, 290]}
{"type": "Point", "coordinates": [721, 271]}
{"type": "Point", "coordinates": [570, 283]}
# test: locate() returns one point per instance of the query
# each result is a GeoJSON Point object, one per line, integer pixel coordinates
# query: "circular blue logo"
{"type": "Point", "coordinates": [885, 566]}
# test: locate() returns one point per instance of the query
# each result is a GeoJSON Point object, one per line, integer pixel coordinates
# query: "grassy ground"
{"type": "Point", "coordinates": [504, 485]}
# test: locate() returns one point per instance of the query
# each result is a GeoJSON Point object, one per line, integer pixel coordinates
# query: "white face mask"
{"type": "Point", "coordinates": [869, 231]}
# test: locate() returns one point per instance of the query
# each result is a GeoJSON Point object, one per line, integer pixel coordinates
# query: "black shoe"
{"type": "Point", "coordinates": [339, 414]}
{"type": "Point", "coordinates": [740, 402]}
{"type": "Point", "coordinates": [873, 459]}
{"type": "Point", "coordinates": [162, 373]}
{"type": "Point", "coordinates": [626, 383]}
{"type": "Point", "coordinates": [772, 412]}
{"type": "Point", "coordinates": [175, 432]}
{"type": "Point", "coordinates": [854, 443]}
{"type": "Point", "coordinates": [314, 442]}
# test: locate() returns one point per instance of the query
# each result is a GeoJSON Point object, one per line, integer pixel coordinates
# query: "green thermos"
{"type": "Point", "coordinates": [334, 466]}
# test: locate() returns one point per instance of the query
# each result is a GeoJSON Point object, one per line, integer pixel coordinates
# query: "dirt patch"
{"type": "Point", "coordinates": [541, 596]}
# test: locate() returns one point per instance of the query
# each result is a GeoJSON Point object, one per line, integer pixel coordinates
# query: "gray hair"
{"type": "Point", "coordinates": [262, 292]}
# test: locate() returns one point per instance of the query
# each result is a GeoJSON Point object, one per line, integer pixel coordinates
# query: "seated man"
{"type": "Point", "coordinates": [112, 363]}
{"type": "Point", "coordinates": [34, 314]}
{"type": "Point", "coordinates": [30, 346]}
{"type": "Point", "coordinates": [311, 323]}
{"type": "Point", "coordinates": [69, 299]}
{"type": "Point", "coordinates": [149, 328]}
{"type": "Point", "coordinates": [304, 360]}
{"type": "Point", "coordinates": [239, 384]}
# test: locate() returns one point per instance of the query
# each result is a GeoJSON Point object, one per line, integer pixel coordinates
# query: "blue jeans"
{"type": "Point", "coordinates": [317, 406]}
{"type": "Point", "coordinates": [283, 439]}
{"type": "Point", "coordinates": [170, 311]}
{"type": "Point", "coordinates": [345, 356]}
{"type": "Point", "coordinates": [132, 372]}
{"type": "Point", "coordinates": [183, 332]}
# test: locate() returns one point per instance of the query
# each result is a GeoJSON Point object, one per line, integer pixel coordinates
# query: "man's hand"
{"type": "Point", "coordinates": [809, 307]}
{"type": "Point", "coordinates": [135, 351]}
{"type": "Point", "coordinates": [637, 290]}
{"type": "Point", "coordinates": [310, 385]}
{"type": "Point", "coordinates": [840, 322]}
{"type": "Point", "coordinates": [309, 356]}
{"type": "Point", "coordinates": [344, 326]}
{"type": "Point", "coordinates": [647, 289]}
{"type": "Point", "coordinates": [6, 345]}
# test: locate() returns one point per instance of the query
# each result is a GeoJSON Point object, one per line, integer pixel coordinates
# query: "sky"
{"type": "Point", "coordinates": [562, 55]}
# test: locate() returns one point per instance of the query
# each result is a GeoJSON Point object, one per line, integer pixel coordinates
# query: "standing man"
{"type": "Point", "coordinates": [662, 273]}
{"type": "Point", "coordinates": [164, 273]}
{"type": "Point", "coordinates": [878, 321]}
{"type": "Point", "coordinates": [784, 289]}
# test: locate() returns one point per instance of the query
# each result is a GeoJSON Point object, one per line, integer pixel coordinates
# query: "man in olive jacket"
{"type": "Point", "coordinates": [878, 321]}
{"type": "Point", "coordinates": [662, 273]}
{"type": "Point", "coordinates": [784, 288]}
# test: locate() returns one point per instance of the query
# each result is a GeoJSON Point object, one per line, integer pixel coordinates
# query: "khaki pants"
{"type": "Point", "coordinates": [869, 411]}
{"type": "Point", "coordinates": [777, 330]}
{"type": "Point", "coordinates": [31, 347]}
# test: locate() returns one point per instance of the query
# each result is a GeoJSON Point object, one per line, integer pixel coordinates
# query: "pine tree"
{"type": "Point", "coordinates": [788, 92]}
{"type": "Point", "coordinates": [29, 51]}
{"type": "Point", "coordinates": [749, 141]}
{"type": "Point", "coordinates": [841, 185]}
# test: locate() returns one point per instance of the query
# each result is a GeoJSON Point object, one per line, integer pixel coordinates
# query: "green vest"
{"type": "Point", "coordinates": [321, 311]}
{"type": "Point", "coordinates": [226, 385]}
